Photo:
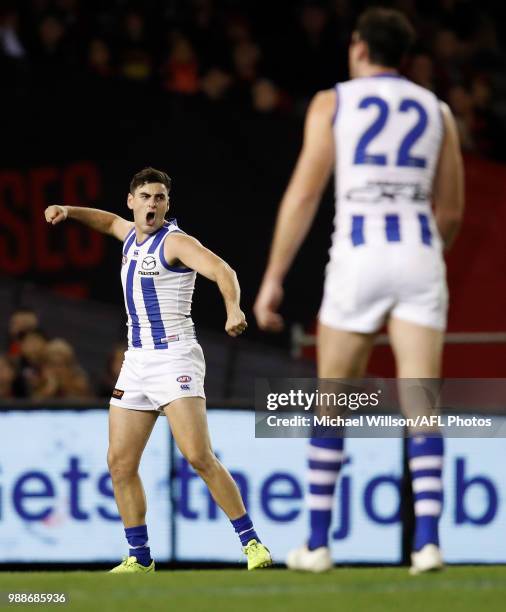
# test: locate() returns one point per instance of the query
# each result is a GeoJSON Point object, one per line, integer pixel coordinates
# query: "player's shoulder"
{"type": "Point", "coordinates": [445, 109]}
{"type": "Point", "coordinates": [175, 234]}
{"type": "Point", "coordinates": [421, 91]}
{"type": "Point", "coordinates": [171, 225]}
{"type": "Point", "coordinates": [323, 103]}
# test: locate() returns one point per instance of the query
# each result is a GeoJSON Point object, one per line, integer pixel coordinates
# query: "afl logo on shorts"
{"type": "Point", "coordinates": [184, 379]}
{"type": "Point", "coordinates": [124, 260]}
{"type": "Point", "coordinates": [149, 263]}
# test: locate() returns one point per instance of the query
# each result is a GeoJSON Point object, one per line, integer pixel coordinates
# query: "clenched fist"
{"type": "Point", "coordinates": [55, 214]}
{"type": "Point", "coordinates": [236, 323]}
{"type": "Point", "coordinates": [266, 306]}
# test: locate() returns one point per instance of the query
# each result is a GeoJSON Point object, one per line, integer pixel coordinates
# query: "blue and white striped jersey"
{"type": "Point", "coordinates": [387, 134]}
{"type": "Point", "coordinates": [158, 297]}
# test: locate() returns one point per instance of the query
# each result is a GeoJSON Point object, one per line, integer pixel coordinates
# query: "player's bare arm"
{"type": "Point", "coordinates": [100, 220]}
{"type": "Point", "coordinates": [449, 182]}
{"type": "Point", "coordinates": [298, 206]}
{"type": "Point", "coordinates": [181, 248]}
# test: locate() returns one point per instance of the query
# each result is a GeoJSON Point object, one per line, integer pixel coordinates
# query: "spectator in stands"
{"type": "Point", "coordinates": [7, 377]}
{"type": "Point", "coordinates": [21, 321]}
{"type": "Point", "coordinates": [223, 49]}
{"type": "Point", "coordinates": [315, 51]}
{"type": "Point", "coordinates": [114, 363]}
{"type": "Point", "coordinates": [99, 58]}
{"type": "Point", "coordinates": [267, 97]}
{"type": "Point", "coordinates": [238, 30]}
{"type": "Point", "coordinates": [448, 53]}
{"type": "Point", "coordinates": [136, 58]}
{"type": "Point", "coordinates": [246, 57]}
{"type": "Point", "coordinates": [487, 125]}
{"type": "Point", "coordinates": [180, 73]}
{"type": "Point", "coordinates": [216, 83]}
{"type": "Point", "coordinates": [204, 30]}
{"type": "Point", "coordinates": [62, 376]}
{"type": "Point", "coordinates": [52, 54]}
{"type": "Point", "coordinates": [29, 363]}
{"type": "Point", "coordinates": [421, 70]}
{"type": "Point", "coordinates": [461, 103]}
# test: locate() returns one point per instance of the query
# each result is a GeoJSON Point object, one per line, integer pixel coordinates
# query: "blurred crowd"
{"type": "Point", "coordinates": [269, 57]}
{"type": "Point", "coordinates": [37, 367]}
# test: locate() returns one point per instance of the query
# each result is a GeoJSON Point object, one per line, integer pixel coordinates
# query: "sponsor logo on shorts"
{"type": "Point", "coordinates": [184, 379]}
{"type": "Point", "coordinates": [118, 393]}
{"type": "Point", "coordinates": [185, 387]}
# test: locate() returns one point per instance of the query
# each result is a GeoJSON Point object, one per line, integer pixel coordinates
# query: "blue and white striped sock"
{"type": "Point", "coordinates": [325, 458]}
{"type": "Point", "coordinates": [426, 465]}
{"type": "Point", "coordinates": [137, 538]}
{"type": "Point", "coordinates": [244, 528]}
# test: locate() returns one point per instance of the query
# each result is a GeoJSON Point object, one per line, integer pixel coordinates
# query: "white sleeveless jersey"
{"type": "Point", "coordinates": [387, 134]}
{"type": "Point", "coordinates": [158, 297]}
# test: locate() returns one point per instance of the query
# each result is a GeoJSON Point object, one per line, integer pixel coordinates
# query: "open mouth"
{"type": "Point", "coordinates": [150, 218]}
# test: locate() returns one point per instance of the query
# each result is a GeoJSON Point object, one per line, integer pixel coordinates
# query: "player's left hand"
{"type": "Point", "coordinates": [236, 323]}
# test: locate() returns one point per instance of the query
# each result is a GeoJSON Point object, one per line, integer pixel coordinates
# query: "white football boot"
{"type": "Point", "coordinates": [305, 560]}
{"type": "Point", "coordinates": [427, 559]}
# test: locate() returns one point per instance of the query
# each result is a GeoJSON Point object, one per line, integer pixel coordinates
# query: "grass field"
{"type": "Point", "coordinates": [355, 589]}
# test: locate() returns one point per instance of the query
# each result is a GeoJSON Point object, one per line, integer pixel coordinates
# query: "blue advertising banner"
{"type": "Point", "coordinates": [57, 505]}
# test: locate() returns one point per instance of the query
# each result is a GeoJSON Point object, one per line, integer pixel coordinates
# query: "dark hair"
{"type": "Point", "coordinates": [150, 175]}
{"type": "Point", "coordinates": [388, 34]}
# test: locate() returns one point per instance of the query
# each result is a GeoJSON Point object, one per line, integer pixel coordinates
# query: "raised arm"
{"type": "Point", "coordinates": [190, 252]}
{"type": "Point", "coordinates": [100, 220]}
{"type": "Point", "coordinates": [298, 206]}
{"type": "Point", "coordinates": [449, 182]}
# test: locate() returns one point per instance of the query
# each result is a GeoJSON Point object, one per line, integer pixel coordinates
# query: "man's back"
{"type": "Point", "coordinates": [387, 134]}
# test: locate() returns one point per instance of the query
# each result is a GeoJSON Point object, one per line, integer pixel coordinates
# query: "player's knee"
{"type": "Point", "coordinates": [120, 467]}
{"type": "Point", "coordinates": [203, 462]}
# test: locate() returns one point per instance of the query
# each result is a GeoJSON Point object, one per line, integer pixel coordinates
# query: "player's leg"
{"type": "Point", "coordinates": [418, 352]}
{"type": "Point", "coordinates": [340, 354]}
{"type": "Point", "coordinates": [129, 431]}
{"type": "Point", "coordinates": [188, 422]}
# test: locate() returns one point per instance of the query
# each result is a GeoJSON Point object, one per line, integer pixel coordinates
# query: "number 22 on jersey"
{"type": "Point", "coordinates": [403, 156]}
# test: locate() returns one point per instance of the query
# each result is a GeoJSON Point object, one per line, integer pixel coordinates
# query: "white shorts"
{"type": "Point", "coordinates": [150, 378]}
{"type": "Point", "coordinates": [366, 285]}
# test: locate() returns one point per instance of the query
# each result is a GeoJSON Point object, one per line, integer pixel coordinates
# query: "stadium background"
{"type": "Point", "coordinates": [215, 93]}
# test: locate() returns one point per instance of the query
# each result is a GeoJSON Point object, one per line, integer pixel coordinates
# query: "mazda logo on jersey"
{"type": "Point", "coordinates": [149, 263]}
